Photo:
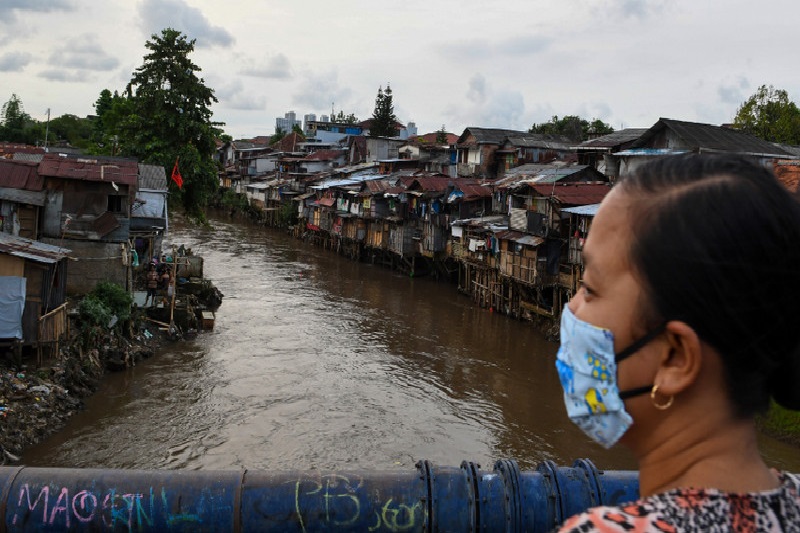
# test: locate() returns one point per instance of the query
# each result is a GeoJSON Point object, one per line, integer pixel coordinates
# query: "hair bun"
{"type": "Point", "coordinates": [785, 382]}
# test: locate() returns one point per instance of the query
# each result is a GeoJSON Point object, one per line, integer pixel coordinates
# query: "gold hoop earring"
{"type": "Point", "coordinates": [660, 406]}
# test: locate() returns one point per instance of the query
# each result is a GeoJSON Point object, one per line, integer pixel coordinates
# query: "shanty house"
{"type": "Point", "coordinates": [668, 137]}
{"type": "Point", "coordinates": [531, 148]}
{"type": "Point", "coordinates": [89, 206]}
{"type": "Point", "coordinates": [149, 218]}
{"type": "Point", "coordinates": [593, 152]}
{"type": "Point", "coordinates": [32, 292]}
{"type": "Point", "coordinates": [476, 149]}
{"type": "Point", "coordinates": [22, 198]}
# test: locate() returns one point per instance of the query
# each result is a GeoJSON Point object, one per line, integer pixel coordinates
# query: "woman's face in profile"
{"type": "Point", "coordinates": [611, 293]}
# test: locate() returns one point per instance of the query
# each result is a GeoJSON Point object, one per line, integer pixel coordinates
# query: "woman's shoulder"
{"type": "Point", "coordinates": [699, 510]}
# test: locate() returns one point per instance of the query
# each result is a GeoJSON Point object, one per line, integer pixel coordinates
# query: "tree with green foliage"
{"type": "Point", "coordinates": [74, 130]}
{"type": "Point", "coordinates": [16, 125]}
{"type": "Point", "coordinates": [384, 122]}
{"type": "Point", "coordinates": [441, 136]}
{"type": "Point", "coordinates": [573, 127]}
{"type": "Point", "coordinates": [169, 117]}
{"type": "Point", "coordinates": [341, 118]}
{"type": "Point", "coordinates": [770, 115]}
{"type": "Point", "coordinates": [298, 130]}
{"type": "Point", "coordinates": [279, 134]}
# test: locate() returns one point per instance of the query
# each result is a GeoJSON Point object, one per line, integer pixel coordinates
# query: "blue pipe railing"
{"type": "Point", "coordinates": [429, 498]}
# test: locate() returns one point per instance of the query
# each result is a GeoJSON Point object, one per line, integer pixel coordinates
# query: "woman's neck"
{"type": "Point", "coordinates": [702, 454]}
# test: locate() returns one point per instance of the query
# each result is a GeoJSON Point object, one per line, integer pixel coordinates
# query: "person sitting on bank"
{"type": "Point", "coordinates": [686, 326]}
{"type": "Point", "coordinates": [152, 285]}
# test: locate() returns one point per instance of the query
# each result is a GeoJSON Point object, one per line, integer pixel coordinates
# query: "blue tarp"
{"type": "Point", "coordinates": [12, 305]}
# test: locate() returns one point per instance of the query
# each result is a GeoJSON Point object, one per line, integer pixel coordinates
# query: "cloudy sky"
{"type": "Point", "coordinates": [453, 63]}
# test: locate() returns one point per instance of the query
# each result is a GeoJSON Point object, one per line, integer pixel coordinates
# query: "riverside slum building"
{"type": "Point", "coordinates": [149, 216]}
{"type": "Point", "coordinates": [517, 249]}
{"type": "Point", "coordinates": [519, 262]}
{"type": "Point", "coordinates": [669, 136]}
{"type": "Point", "coordinates": [88, 206]}
{"type": "Point", "coordinates": [476, 151]}
{"type": "Point", "coordinates": [517, 150]}
{"type": "Point", "coordinates": [32, 295]}
{"type": "Point", "coordinates": [334, 217]}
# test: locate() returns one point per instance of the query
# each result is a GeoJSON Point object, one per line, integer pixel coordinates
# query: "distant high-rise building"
{"type": "Point", "coordinates": [311, 117]}
{"type": "Point", "coordinates": [287, 123]}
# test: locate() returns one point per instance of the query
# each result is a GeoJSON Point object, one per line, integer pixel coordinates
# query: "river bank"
{"type": "Point", "coordinates": [108, 331]}
{"type": "Point", "coordinates": [36, 401]}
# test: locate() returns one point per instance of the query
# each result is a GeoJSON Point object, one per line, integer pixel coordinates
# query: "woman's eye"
{"type": "Point", "coordinates": [586, 289]}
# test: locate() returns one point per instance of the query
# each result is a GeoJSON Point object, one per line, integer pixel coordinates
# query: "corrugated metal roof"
{"type": "Point", "coordinates": [612, 139]}
{"type": "Point", "coordinates": [105, 224]}
{"type": "Point", "coordinates": [28, 249]}
{"type": "Point", "coordinates": [494, 222]}
{"type": "Point", "coordinates": [509, 235]}
{"type": "Point", "coordinates": [788, 172]}
{"type": "Point", "coordinates": [474, 191]}
{"type": "Point", "coordinates": [574, 193]}
{"type": "Point", "coordinates": [20, 175]}
{"type": "Point", "coordinates": [35, 158]}
{"type": "Point", "coordinates": [21, 196]}
{"type": "Point", "coordinates": [699, 137]}
{"type": "Point", "coordinates": [531, 140]}
{"type": "Point", "coordinates": [590, 209]}
{"type": "Point", "coordinates": [354, 179]}
{"type": "Point", "coordinates": [431, 183]}
{"type": "Point", "coordinates": [121, 172]}
{"type": "Point", "coordinates": [152, 177]}
{"type": "Point", "coordinates": [488, 135]}
{"type": "Point", "coordinates": [530, 240]}
{"type": "Point", "coordinates": [325, 155]}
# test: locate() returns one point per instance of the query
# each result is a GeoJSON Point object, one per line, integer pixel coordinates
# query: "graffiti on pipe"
{"type": "Point", "coordinates": [340, 500]}
{"type": "Point", "coordinates": [111, 508]}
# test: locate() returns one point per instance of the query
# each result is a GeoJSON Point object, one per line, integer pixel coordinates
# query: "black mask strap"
{"type": "Point", "coordinates": [624, 395]}
{"type": "Point", "coordinates": [632, 349]}
{"type": "Point", "coordinates": [639, 344]}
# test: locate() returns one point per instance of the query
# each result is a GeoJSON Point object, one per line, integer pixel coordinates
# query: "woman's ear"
{"type": "Point", "coordinates": [680, 365]}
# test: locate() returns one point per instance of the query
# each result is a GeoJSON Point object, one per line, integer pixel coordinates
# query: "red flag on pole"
{"type": "Point", "coordinates": [176, 175]}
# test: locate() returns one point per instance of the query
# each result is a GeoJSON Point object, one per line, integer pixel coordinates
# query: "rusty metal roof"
{"type": "Point", "coordinates": [33, 250]}
{"type": "Point", "coordinates": [788, 172]}
{"type": "Point", "coordinates": [20, 175]}
{"type": "Point", "coordinates": [474, 191]}
{"type": "Point", "coordinates": [121, 171]}
{"type": "Point", "coordinates": [574, 193]}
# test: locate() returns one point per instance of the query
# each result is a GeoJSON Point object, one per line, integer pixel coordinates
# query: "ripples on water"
{"type": "Point", "coordinates": [320, 362]}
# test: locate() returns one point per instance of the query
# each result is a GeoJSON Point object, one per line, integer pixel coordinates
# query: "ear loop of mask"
{"type": "Point", "coordinates": [632, 349]}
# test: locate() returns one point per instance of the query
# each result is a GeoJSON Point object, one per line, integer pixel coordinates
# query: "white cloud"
{"type": "Point", "coordinates": [476, 92]}
{"type": "Point", "coordinates": [734, 92]}
{"type": "Point", "coordinates": [71, 76]}
{"type": "Point", "coordinates": [14, 61]}
{"type": "Point", "coordinates": [157, 15]}
{"type": "Point", "coordinates": [83, 52]}
{"type": "Point", "coordinates": [275, 67]}
{"type": "Point", "coordinates": [233, 95]}
{"type": "Point", "coordinates": [321, 90]}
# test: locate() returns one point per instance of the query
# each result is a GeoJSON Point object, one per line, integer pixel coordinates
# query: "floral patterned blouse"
{"type": "Point", "coordinates": [683, 510]}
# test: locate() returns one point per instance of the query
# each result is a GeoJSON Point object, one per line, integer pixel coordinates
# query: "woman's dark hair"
{"type": "Point", "coordinates": [716, 240]}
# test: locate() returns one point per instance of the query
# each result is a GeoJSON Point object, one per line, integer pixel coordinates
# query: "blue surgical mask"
{"type": "Point", "coordinates": [587, 367]}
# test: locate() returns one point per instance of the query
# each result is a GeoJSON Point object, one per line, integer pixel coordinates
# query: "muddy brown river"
{"type": "Point", "coordinates": [318, 362]}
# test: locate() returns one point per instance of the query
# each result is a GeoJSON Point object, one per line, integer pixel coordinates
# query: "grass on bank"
{"type": "Point", "coordinates": [782, 424]}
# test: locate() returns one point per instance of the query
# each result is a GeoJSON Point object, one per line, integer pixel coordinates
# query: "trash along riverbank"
{"type": "Point", "coordinates": [108, 331]}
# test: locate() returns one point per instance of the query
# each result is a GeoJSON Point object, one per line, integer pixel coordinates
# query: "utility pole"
{"type": "Point", "coordinates": [46, 130]}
